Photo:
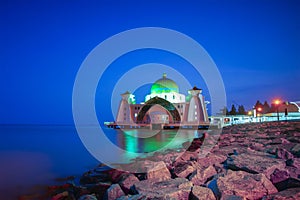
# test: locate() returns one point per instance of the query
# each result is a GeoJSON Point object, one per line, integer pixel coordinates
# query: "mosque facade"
{"type": "Point", "coordinates": [164, 105]}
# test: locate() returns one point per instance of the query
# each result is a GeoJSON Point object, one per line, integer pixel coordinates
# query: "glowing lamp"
{"type": "Point", "coordinates": [259, 109]}
{"type": "Point", "coordinates": [277, 101]}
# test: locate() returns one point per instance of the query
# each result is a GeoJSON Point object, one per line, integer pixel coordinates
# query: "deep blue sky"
{"type": "Point", "coordinates": [255, 44]}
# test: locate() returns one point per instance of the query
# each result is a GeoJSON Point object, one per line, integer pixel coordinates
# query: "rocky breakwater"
{"type": "Point", "coordinates": [250, 161]}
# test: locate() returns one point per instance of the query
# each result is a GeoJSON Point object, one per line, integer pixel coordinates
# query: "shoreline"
{"type": "Point", "coordinates": [253, 161]}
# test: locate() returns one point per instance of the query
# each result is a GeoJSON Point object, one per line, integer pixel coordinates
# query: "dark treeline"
{"type": "Point", "coordinates": [262, 108]}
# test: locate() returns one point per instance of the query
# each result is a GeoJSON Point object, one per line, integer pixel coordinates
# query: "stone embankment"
{"type": "Point", "coordinates": [250, 161]}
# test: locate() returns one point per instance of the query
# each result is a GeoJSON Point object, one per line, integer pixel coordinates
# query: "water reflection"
{"type": "Point", "coordinates": [145, 141]}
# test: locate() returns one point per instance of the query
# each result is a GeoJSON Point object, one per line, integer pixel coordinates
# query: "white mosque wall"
{"type": "Point", "coordinates": [172, 97]}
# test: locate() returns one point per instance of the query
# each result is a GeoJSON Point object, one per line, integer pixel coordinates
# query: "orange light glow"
{"type": "Point", "coordinates": [259, 109]}
{"type": "Point", "coordinates": [277, 101]}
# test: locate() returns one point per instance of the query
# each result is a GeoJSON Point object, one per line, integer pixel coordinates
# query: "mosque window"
{"type": "Point", "coordinates": [178, 106]}
{"type": "Point", "coordinates": [165, 96]}
{"type": "Point", "coordinates": [173, 96]}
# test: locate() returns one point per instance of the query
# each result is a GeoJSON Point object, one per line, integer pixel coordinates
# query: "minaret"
{"type": "Point", "coordinates": [197, 110]}
{"type": "Point", "coordinates": [124, 112]}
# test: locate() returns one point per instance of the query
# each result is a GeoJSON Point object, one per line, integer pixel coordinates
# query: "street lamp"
{"type": "Point", "coordinates": [259, 109]}
{"type": "Point", "coordinates": [277, 103]}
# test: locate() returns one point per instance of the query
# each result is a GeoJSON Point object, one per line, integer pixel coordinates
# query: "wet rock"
{"type": "Point", "coordinates": [93, 177]}
{"type": "Point", "coordinates": [178, 188]}
{"type": "Point", "coordinates": [87, 197]}
{"type": "Point", "coordinates": [199, 177]}
{"type": "Point", "coordinates": [98, 189]}
{"type": "Point", "coordinates": [232, 197]}
{"type": "Point", "coordinates": [187, 156]}
{"type": "Point", "coordinates": [156, 171]}
{"type": "Point", "coordinates": [293, 167]}
{"type": "Point", "coordinates": [61, 195]}
{"type": "Point", "coordinates": [115, 175]}
{"type": "Point", "coordinates": [114, 192]}
{"type": "Point", "coordinates": [183, 169]}
{"type": "Point", "coordinates": [212, 159]}
{"type": "Point", "coordinates": [283, 154]}
{"type": "Point", "coordinates": [243, 184]}
{"type": "Point", "coordinates": [296, 150]}
{"type": "Point", "coordinates": [279, 176]}
{"type": "Point", "coordinates": [133, 197]}
{"type": "Point", "coordinates": [255, 163]}
{"type": "Point", "coordinates": [196, 144]}
{"type": "Point", "coordinates": [289, 194]}
{"type": "Point", "coordinates": [201, 193]}
{"type": "Point", "coordinates": [127, 181]}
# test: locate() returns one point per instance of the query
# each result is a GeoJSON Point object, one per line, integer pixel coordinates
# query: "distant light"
{"type": "Point", "coordinates": [249, 112]}
{"type": "Point", "coordinates": [259, 109]}
{"type": "Point", "coordinates": [277, 101]}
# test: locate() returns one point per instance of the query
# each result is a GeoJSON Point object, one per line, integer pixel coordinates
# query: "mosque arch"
{"type": "Point", "coordinates": [162, 102]}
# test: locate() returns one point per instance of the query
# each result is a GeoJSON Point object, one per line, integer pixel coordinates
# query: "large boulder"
{"type": "Point", "coordinates": [114, 192]}
{"type": "Point", "coordinates": [178, 188]}
{"type": "Point", "coordinates": [200, 176]}
{"type": "Point", "coordinates": [201, 193]}
{"type": "Point", "coordinates": [296, 150]}
{"type": "Point", "coordinates": [279, 176]}
{"type": "Point", "coordinates": [283, 154]}
{"type": "Point", "coordinates": [156, 171]}
{"type": "Point", "coordinates": [255, 163]}
{"type": "Point", "coordinates": [289, 194]}
{"type": "Point", "coordinates": [127, 181]}
{"type": "Point", "coordinates": [212, 159]}
{"type": "Point", "coordinates": [183, 169]}
{"type": "Point", "coordinates": [243, 184]}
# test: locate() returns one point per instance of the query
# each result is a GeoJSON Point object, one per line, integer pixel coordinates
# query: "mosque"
{"type": "Point", "coordinates": [165, 107]}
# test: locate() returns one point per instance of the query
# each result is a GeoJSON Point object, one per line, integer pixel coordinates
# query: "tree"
{"type": "Point", "coordinates": [266, 108]}
{"type": "Point", "coordinates": [233, 110]}
{"type": "Point", "coordinates": [258, 105]}
{"type": "Point", "coordinates": [241, 110]}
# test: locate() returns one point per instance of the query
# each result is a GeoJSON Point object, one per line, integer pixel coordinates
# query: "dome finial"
{"type": "Point", "coordinates": [164, 75]}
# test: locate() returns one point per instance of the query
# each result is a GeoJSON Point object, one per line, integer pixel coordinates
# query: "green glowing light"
{"type": "Point", "coordinates": [164, 85]}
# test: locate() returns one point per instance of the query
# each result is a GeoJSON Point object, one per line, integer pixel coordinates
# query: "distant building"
{"type": "Point", "coordinates": [164, 105]}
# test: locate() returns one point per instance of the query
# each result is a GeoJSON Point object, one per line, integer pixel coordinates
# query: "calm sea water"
{"type": "Point", "coordinates": [33, 155]}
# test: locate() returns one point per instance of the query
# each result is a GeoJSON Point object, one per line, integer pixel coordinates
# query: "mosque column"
{"type": "Point", "coordinates": [124, 112]}
{"type": "Point", "coordinates": [196, 107]}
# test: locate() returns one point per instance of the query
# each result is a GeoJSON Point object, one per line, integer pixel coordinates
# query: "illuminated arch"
{"type": "Point", "coordinates": [162, 102]}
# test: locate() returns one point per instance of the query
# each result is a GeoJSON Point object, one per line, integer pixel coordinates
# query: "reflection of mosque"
{"type": "Point", "coordinates": [164, 107]}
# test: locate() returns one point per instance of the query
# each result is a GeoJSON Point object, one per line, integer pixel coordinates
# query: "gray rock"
{"type": "Point", "coordinates": [127, 181]}
{"type": "Point", "coordinates": [240, 183]}
{"type": "Point", "coordinates": [202, 193]}
{"type": "Point", "coordinates": [199, 177]}
{"type": "Point", "coordinates": [183, 169]}
{"type": "Point", "coordinates": [279, 176]}
{"type": "Point", "coordinates": [255, 163]}
{"type": "Point", "coordinates": [283, 154]}
{"type": "Point", "coordinates": [178, 188]}
{"type": "Point", "coordinates": [114, 192]}
{"type": "Point", "coordinates": [289, 194]}
{"type": "Point", "coordinates": [296, 150]}
{"type": "Point", "coordinates": [87, 197]}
